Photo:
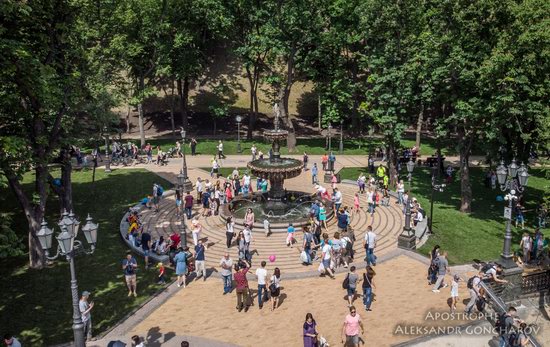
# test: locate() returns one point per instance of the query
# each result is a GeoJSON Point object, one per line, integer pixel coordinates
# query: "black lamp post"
{"type": "Point", "coordinates": [67, 247]}
{"type": "Point", "coordinates": [512, 179]}
{"type": "Point", "coordinates": [185, 184]}
{"type": "Point", "coordinates": [239, 120]}
{"type": "Point", "coordinates": [107, 158]}
{"type": "Point", "coordinates": [407, 239]}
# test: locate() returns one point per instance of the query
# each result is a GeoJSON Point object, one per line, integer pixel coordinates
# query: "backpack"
{"type": "Point", "coordinates": [470, 284]}
{"type": "Point", "coordinates": [160, 191]}
{"type": "Point", "coordinates": [480, 304]}
{"type": "Point", "coordinates": [487, 267]}
{"type": "Point", "coordinates": [345, 284]}
{"type": "Point", "coordinates": [349, 246]}
{"type": "Point", "coordinates": [513, 339]}
{"type": "Point", "coordinates": [500, 324]}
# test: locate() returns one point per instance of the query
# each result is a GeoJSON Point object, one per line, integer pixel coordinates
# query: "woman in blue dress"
{"type": "Point", "coordinates": [181, 266]}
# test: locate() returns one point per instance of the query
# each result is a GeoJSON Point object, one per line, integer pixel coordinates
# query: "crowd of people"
{"type": "Point", "coordinates": [331, 250]}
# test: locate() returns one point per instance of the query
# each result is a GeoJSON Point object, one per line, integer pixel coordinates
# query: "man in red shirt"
{"type": "Point", "coordinates": [175, 240]}
{"type": "Point", "coordinates": [188, 205]}
{"type": "Point", "coordinates": [242, 285]}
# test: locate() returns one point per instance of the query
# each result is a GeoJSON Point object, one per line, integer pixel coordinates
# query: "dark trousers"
{"type": "Point", "coordinates": [229, 237]}
{"type": "Point", "coordinates": [261, 290]}
{"type": "Point", "coordinates": [188, 212]}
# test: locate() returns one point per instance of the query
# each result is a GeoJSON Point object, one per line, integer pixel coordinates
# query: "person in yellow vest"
{"type": "Point", "coordinates": [380, 173]}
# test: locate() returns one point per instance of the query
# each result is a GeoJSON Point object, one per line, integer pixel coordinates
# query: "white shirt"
{"type": "Point", "coordinates": [220, 147]}
{"type": "Point", "coordinates": [266, 224]}
{"type": "Point", "coordinates": [337, 197]}
{"type": "Point", "coordinates": [370, 239]}
{"type": "Point", "coordinates": [235, 173]}
{"type": "Point", "coordinates": [419, 216]}
{"type": "Point", "coordinates": [370, 196]}
{"type": "Point", "coordinates": [326, 251]}
{"type": "Point", "coordinates": [216, 194]}
{"type": "Point", "coordinates": [526, 242]}
{"type": "Point", "coordinates": [261, 273]}
{"type": "Point", "coordinates": [246, 180]}
{"type": "Point", "coordinates": [492, 271]}
{"type": "Point", "coordinates": [253, 149]}
{"type": "Point", "coordinates": [228, 264]}
{"type": "Point", "coordinates": [400, 187]}
{"type": "Point", "coordinates": [83, 306]}
{"type": "Point", "coordinates": [247, 235]}
{"type": "Point", "coordinates": [215, 164]}
{"type": "Point", "coordinates": [321, 190]}
{"type": "Point", "coordinates": [229, 227]}
{"type": "Point", "coordinates": [199, 186]}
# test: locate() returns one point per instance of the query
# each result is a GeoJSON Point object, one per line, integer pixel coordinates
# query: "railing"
{"type": "Point", "coordinates": [536, 282]}
{"type": "Point", "coordinates": [500, 307]}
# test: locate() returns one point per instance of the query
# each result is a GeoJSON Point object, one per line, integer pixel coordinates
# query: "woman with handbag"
{"type": "Point", "coordinates": [275, 287]}
{"type": "Point", "coordinates": [310, 331]}
{"type": "Point", "coordinates": [368, 286]}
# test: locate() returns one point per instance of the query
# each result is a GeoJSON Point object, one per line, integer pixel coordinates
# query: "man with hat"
{"type": "Point", "coordinates": [85, 309]}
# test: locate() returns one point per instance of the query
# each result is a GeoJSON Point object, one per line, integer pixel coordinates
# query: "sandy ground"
{"type": "Point", "coordinates": [403, 297]}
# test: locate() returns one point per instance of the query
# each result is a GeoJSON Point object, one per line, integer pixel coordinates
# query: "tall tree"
{"type": "Point", "coordinates": [45, 78]}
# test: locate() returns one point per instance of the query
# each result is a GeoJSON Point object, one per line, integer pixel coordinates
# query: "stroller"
{"type": "Point", "coordinates": [163, 159]}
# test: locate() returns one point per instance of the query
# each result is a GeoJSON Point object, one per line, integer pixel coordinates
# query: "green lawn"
{"type": "Point", "coordinates": [358, 146]}
{"type": "Point", "coordinates": [36, 304]}
{"type": "Point", "coordinates": [478, 235]}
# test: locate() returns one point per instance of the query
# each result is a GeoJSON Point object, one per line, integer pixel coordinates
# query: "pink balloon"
{"type": "Point", "coordinates": [272, 258]}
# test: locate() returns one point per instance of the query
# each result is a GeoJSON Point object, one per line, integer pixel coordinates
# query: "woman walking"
{"type": "Point", "coordinates": [432, 273]}
{"type": "Point", "coordinates": [241, 268]}
{"type": "Point", "coordinates": [310, 331]}
{"type": "Point", "coordinates": [368, 286]}
{"type": "Point", "coordinates": [454, 292]}
{"type": "Point", "coordinates": [249, 218]}
{"type": "Point", "coordinates": [241, 245]}
{"type": "Point", "coordinates": [275, 288]}
{"type": "Point", "coordinates": [323, 216]}
{"type": "Point", "coordinates": [181, 266]}
{"type": "Point", "coordinates": [229, 230]}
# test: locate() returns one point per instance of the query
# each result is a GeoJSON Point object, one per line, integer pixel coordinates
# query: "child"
{"type": "Point", "coordinates": [289, 235]}
{"type": "Point", "coordinates": [160, 266]}
{"type": "Point", "coordinates": [454, 292]}
{"type": "Point", "coordinates": [266, 227]}
{"type": "Point", "coordinates": [356, 202]}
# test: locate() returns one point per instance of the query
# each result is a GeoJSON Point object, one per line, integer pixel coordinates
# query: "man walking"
{"type": "Point", "coordinates": [331, 161]}
{"type": "Point", "coordinates": [261, 274]}
{"type": "Point", "coordinates": [85, 309]}
{"type": "Point", "coordinates": [247, 233]}
{"type": "Point", "coordinates": [220, 150]}
{"type": "Point", "coordinates": [314, 172]}
{"type": "Point", "coordinates": [146, 246]}
{"type": "Point", "coordinates": [226, 264]}
{"type": "Point", "coordinates": [473, 288]}
{"type": "Point", "coordinates": [308, 242]}
{"type": "Point", "coordinates": [443, 264]}
{"type": "Point", "coordinates": [129, 266]}
{"type": "Point", "coordinates": [199, 260]}
{"type": "Point", "coordinates": [188, 205]}
{"type": "Point", "coordinates": [350, 329]}
{"type": "Point", "coordinates": [253, 150]}
{"type": "Point", "coordinates": [369, 243]}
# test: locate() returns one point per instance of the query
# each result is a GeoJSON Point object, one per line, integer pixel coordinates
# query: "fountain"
{"type": "Point", "coordinates": [278, 205]}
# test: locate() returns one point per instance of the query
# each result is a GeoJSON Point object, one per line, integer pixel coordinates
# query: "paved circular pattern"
{"type": "Point", "coordinates": [387, 222]}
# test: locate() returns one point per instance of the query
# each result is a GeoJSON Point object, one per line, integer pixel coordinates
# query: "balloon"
{"type": "Point", "coordinates": [272, 258]}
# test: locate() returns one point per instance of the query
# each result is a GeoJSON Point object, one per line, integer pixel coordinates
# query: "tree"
{"type": "Point", "coordinates": [44, 85]}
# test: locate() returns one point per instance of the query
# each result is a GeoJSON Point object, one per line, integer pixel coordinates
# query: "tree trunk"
{"type": "Point", "coordinates": [128, 119]}
{"type": "Point", "coordinates": [354, 110]}
{"type": "Point", "coordinates": [172, 106]}
{"type": "Point", "coordinates": [319, 112]}
{"type": "Point", "coordinates": [284, 94]}
{"type": "Point", "coordinates": [392, 162]}
{"type": "Point", "coordinates": [253, 83]}
{"type": "Point", "coordinates": [183, 92]}
{"type": "Point", "coordinates": [140, 111]}
{"type": "Point", "coordinates": [66, 171]}
{"type": "Point", "coordinates": [419, 126]}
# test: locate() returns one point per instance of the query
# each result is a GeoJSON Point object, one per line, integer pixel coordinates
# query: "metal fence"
{"type": "Point", "coordinates": [536, 282]}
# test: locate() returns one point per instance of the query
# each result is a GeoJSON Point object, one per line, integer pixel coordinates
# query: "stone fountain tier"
{"type": "Point", "coordinates": [276, 170]}
{"type": "Point", "coordinates": [261, 204]}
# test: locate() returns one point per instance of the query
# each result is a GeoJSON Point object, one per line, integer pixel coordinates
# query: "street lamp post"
{"type": "Point", "coordinates": [107, 158]}
{"type": "Point", "coordinates": [512, 179]}
{"type": "Point", "coordinates": [67, 247]}
{"type": "Point", "coordinates": [181, 185]}
{"type": "Point", "coordinates": [239, 119]}
{"type": "Point", "coordinates": [341, 147]}
{"type": "Point", "coordinates": [186, 185]}
{"type": "Point", "coordinates": [407, 239]}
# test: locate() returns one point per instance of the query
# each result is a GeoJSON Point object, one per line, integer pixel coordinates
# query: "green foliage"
{"type": "Point", "coordinates": [10, 243]}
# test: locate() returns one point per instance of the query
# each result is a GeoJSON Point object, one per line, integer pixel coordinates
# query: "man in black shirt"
{"type": "Point", "coordinates": [146, 246]}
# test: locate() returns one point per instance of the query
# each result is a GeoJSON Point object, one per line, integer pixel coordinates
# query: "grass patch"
{"type": "Point", "coordinates": [36, 304]}
{"type": "Point", "coordinates": [480, 234]}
